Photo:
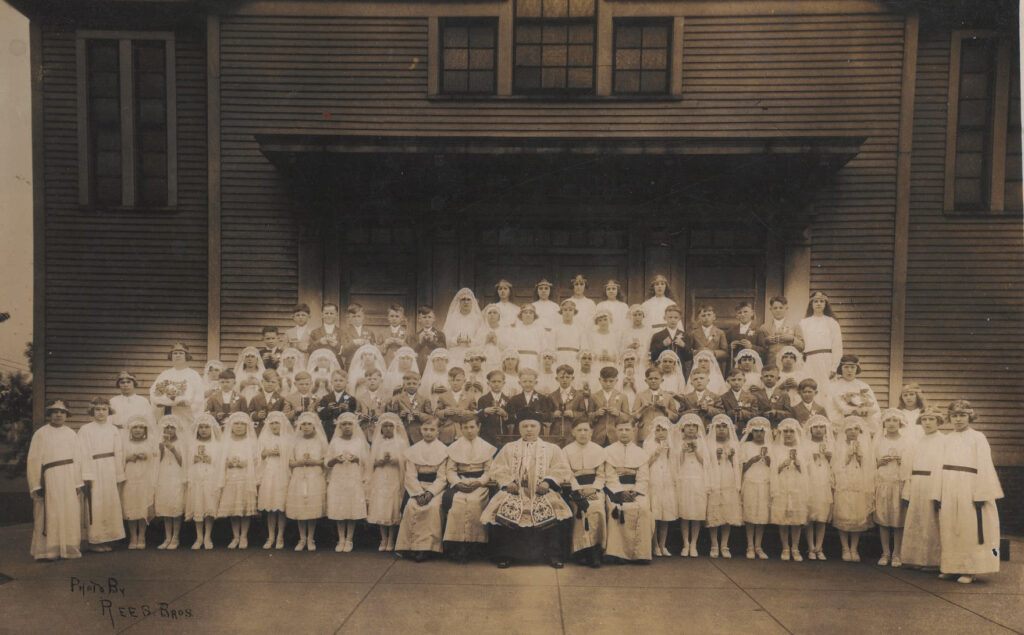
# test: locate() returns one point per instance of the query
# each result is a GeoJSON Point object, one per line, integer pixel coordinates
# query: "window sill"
{"type": "Point", "coordinates": [557, 98]}
{"type": "Point", "coordinates": [981, 213]}
{"type": "Point", "coordinates": [110, 209]}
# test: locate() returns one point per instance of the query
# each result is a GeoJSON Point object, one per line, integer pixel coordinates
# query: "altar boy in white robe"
{"type": "Point", "coordinates": [967, 492]}
{"type": "Point", "coordinates": [102, 472]}
{"type": "Point", "coordinates": [426, 475]}
{"type": "Point", "coordinates": [469, 459]}
{"type": "Point", "coordinates": [528, 516]}
{"type": "Point", "coordinates": [55, 481]}
{"type": "Point", "coordinates": [626, 476]}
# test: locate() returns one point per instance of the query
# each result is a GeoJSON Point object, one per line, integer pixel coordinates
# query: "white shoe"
{"type": "Point", "coordinates": [310, 545]}
{"type": "Point", "coordinates": [750, 554]}
{"type": "Point", "coordinates": [280, 542]}
{"type": "Point", "coordinates": [340, 548]}
{"type": "Point", "coordinates": [269, 543]}
{"type": "Point", "coordinates": [197, 545]}
{"type": "Point", "coordinates": [383, 545]}
{"type": "Point", "coordinates": [172, 545]}
{"type": "Point", "coordinates": [785, 554]}
{"type": "Point", "coordinates": [685, 551]}
{"type": "Point", "coordinates": [163, 545]}
{"type": "Point", "coordinates": [855, 555]}
{"type": "Point", "coordinates": [797, 557]}
{"type": "Point", "coordinates": [693, 550]}
{"type": "Point", "coordinates": [348, 546]}
{"type": "Point", "coordinates": [884, 560]}
{"type": "Point", "coordinates": [812, 555]}
{"type": "Point", "coordinates": [243, 543]}
{"type": "Point", "coordinates": [714, 552]}
{"type": "Point", "coordinates": [726, 553]}
{"type": "Point", "coordinates": [821, 555]}
{"type": "Point", "coordinates": [846, 556]}
{"type": "Point", "coordinates": [233, 544]}
{"type": "Point", "coordinates": [965, 579]}
{"type": "Point", "coordinates": [761, 554]}
{"type": "Point", "coordinates": [896, 562]}
{"type": "Point", "coordinates": [208, 544]}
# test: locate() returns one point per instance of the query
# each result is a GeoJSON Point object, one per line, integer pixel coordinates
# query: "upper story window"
{"type": "Point", "coordinates": [469, 57]}
{"type": "Point", "coordinates": [554, 46]}
{"type": "Point", "coordinates": [641, 57]}
{"type": "Point", "coordinates": [126, 120]}
{"type": "Point", "coordinates": [983, 143]}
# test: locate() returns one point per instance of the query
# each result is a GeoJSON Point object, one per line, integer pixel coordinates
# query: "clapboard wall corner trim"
{"type": "Point", "coordinates": [213, 176]}
{"type": "Point", "coordinates": [902, 222]}
{"type": "Point", "coordinates": [38, 224]}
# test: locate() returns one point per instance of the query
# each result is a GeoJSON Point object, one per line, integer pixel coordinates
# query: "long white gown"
{"type": "Point", "coordinates": [347, 481]}
{"type": "Point", "coordinates": [55, 473]}
{"type": "Point", "coordinates": [921, 542]}
{"type": "Point", "coordinates": [821, 333]}
{"type": "Point", "coordinates": [103, 466]}
{"type": "Point", "coordinates": [425, 470]}
{"type": "Point", "coordinates": [630, 525]}
{"type": "Point", "coordinates": [124, 408]}
{"type": "Point", "coordinates": [970, 537]}
{"type": "Point", "coordinates": [587, 465]}
{"type": "Point", "coordinates": [468, 461]}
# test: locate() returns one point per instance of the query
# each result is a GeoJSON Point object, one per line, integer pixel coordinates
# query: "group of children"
{"type": "Point", "coordinates": [354, 432]}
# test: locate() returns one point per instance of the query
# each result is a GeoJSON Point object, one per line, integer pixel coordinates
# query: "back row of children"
{"type": "Point", "coordinates": [933, 496]}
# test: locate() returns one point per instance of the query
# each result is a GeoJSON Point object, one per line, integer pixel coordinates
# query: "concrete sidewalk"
{"type": "Point", "coordinates": [369, 592]}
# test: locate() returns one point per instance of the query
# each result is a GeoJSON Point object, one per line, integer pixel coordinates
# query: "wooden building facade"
{"type": "Point", "coordinates": [203, 166]}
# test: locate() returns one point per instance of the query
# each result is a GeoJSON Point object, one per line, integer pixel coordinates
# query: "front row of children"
{"type": "Point", "coordinates": [933, 498]}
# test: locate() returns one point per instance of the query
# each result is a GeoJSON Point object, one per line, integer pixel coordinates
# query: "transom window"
{"type": "Point", "coordinates": [469, 56]}
{"type": "Point", "coordinates": [641, 57]}
{"type": "Point", "coordinates": [126, 119]}
{"type": "Point", "coordinates": [554, 46]}
{"type": "Point", "coordinates": [983, 133]}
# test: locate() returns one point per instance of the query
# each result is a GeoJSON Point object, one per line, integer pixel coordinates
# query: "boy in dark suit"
{"type": "Point", "coordinates": [707, 336]}
{"type": "Point", "coordinates": [335, 403]}
{"type": "Point", "coordinates": [778, 331]}
{"type": "Point", "coordinates": [807, 407]}
{"type": "Point", "coordinates": [427, 338]}
{"type": "Point", "coordinates": [354, 334]}
{"type": "Point", "coordinates": [328, 335]}
{"type": "Point", "coordinates": [298, 335]}
{"type": "Point", "coordinates": [266, 401]}
{"type": "Point", "coordinates": [566, 403]}
{"type": "Point", "coordinates": [529, 404]}
{"type": "Point", "coordinates": [492, 408]}
{"type": "Point", "coordinates": [737, 402]}
{"type": "Point", "coordinates": [771, 401]}
{"type": "Point", "coordinates": [744, 334]}
{"type": "Point", "coordinates": [225, 401]}
{"type": "Point", "coordinates": [396, 335]}
{"type": "Point", "coordinates": [408, 406]}
{"type": "Point", "coordinates": [672, 337]}
{"type": "Point", "coordinates": [701, 401]}
{"type": "Point", "coordinates": [611, 407]}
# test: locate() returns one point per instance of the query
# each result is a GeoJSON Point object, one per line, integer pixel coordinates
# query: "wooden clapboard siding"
{"type": "Point", "coordinates": [120, 285]}
{"type": "Point", "coordinates": [964, 295]}
{"type": "Point", "coordinates": [840, 73]}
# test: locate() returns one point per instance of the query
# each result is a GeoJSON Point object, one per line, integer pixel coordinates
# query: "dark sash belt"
{"type": "Point", "coordinates": [105, 455]}
{"type": "Point", "coordinates": [817, 351]}
{"type": "Point", "coordinates": [568, 349]}
{"type": "Point", "coordinates": [426, 477]}
{"type": "Point", "coordinates": [47, 466]}
{"type": "Point", "coordinates": [921, 473]}
{"type": "Point", "coordinates": [627, 479]}
{"type": "Point", "coordinates": [960, 468]}
{"type": "Point", "coordinates": [476, 474]}
{"type": "Point", "coordinates": [588, 479]}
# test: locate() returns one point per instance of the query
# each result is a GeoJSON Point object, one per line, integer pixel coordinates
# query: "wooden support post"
{"type": "Point", "coordinates": [213, 191]}
{"type": "Point", "coordinates": [901, 236]}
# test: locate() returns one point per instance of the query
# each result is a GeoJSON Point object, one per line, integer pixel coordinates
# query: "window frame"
{"type": "Point", "coordinates": [996, 181]}
{"type": "Point", "coordinates": [567, 93]}
{"type": "Point", "coordinates": [664, 22]}
{"type": "Point", "coordinates": [125, 39]}
{"type": "Point", "coordinates": [466, 21]}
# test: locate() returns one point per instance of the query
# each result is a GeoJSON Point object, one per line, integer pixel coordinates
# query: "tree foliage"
{"type": "Point", "coordinates": [15, 419]}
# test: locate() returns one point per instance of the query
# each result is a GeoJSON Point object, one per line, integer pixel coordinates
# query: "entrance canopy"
{"type": "Point", "coordinates": [379, 172]}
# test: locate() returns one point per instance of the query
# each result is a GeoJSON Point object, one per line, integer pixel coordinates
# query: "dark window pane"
{"type": "Point", "coordinates": [528, 8]}
{"type": "Point", "coordinates": [528, 55]}
{"type": "Point", "coordinates": [527, 78]}
{"type": "Point", "coordinates": [973, 150]}
{"type": "Point", "coordinates": [581, 8]}
{"type": "Point", "coordinates": [968, 193]}
{"type": "Point", "coordinates": [641, 46]}
{"type": "Point", "coordinates": [581, 55]}
{"type": "Point", "coordinates": [580, 78]}
{"type": "Point", "coordinates": [555, 56]}
{"type": "Point", "coordinates": [104, 120]}
{"type": "Point", "coordinates": [468, 45]}
{"type": "Point", "coordinates": [565, 32]}
{"type": "Point", "coordinates": [556, 8]}
{"type": "Point", "coordinates": [553, 78]}
{"type": "Point", "coordinates": [149, 57]}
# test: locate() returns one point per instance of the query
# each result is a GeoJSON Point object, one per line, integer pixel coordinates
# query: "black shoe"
{"type": "Point", "coordinates": [419, 556]}
{"type": "Point", "coordinates": [504, 564]}
{"type": "Point", "coordinates": [556, 563]}
{"type": "Point", "coordinates": [595, 562]}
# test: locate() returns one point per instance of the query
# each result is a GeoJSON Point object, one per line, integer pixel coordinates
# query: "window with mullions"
{"type": "Point", "coordinates": [641, 57]}
{"type": "Point", "coordinates": [983, 143]}
{"type": "Point", "coordinates": [126, 120]}
{"type": "Point", "coordinates": [554, 46]}
{"type": "Point", "coordinates": [469, 56]}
